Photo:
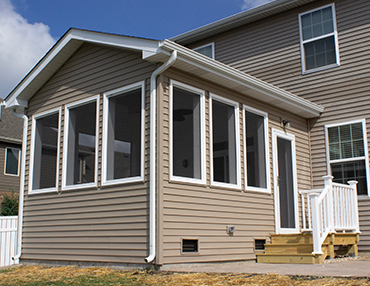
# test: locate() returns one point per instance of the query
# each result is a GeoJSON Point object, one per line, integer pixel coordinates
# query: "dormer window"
{"type": "Point", "coordinates": [319, 39]}
{"type": "Point", "coordinates": [207, 50]}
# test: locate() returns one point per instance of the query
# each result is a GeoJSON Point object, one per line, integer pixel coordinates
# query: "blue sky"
{"type": "Point", "coordinates": [28, 28]}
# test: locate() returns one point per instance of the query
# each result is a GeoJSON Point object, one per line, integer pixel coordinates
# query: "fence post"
{"type": "Point", "coordinates": [328, 180]}
{"type": "Point", "coordinates": [315, 224]}
{"type": "Point", "coordinates": [354, 205]}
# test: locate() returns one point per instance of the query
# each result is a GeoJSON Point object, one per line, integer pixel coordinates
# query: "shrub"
{"type": "Point", "coordinates": [9, 204]}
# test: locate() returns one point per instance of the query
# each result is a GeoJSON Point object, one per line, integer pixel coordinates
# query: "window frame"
{"type": "Point", "coordinates": [237, 141]}
{"type": "Point", "coordinates": [302, 42]}
{"type": "Point", "coordinates": [32, 151]}
{"type": "Point", "coordinates": [206, 45]}
{"type": "Point", "coordinates": [6, 161]}
{"type": "Point", "coordinates": [106, 97]}
{"type": "Point", "coordinates": [365, 157]}
{"type": "Point", "coordinates": [201, 93]}
{"type": "Point", "coordinates": [67, 107]}
{"type": "Point", "coordinates": [267, 149]}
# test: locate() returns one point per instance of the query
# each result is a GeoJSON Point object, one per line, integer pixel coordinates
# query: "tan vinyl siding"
{"type": "Point", "coordinates": [104, 224]}
{"type": "Point", "coordinates": [8, 182]}
{"type": "Point", "coordinates": [202, 212]}
{"type": "Point", "coordinates": [270, 50]}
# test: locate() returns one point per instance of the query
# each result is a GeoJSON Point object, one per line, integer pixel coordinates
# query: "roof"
{"type": "Point", "coordinates": [11, 127]}
{"type": "Point", "coordinates": [237, 20]}
{"type": "Point", "coordinates": [159, 52]}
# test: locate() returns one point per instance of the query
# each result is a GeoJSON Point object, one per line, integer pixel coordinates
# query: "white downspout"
{"type": "Point", "coordinates": [152, 186]}
{"type": "Point", "coordinates": [21, 187]}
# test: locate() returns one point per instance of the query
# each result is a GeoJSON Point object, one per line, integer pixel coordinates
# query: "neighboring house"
{"type": "Point", "coordinates": [142, 149]}
{"type": "Point", "coordinates": [10, 150]}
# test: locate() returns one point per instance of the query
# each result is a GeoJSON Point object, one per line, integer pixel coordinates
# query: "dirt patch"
{"type": "Point", "coordinates": [71, 275]}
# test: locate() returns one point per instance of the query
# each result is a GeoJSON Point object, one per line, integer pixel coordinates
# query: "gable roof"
{"type": "Point", "coordinates": [11, 127]}
{"type": "Point", "coordinates": [237, 20]}
{"type": "Point", "coordinates": [159, 52]}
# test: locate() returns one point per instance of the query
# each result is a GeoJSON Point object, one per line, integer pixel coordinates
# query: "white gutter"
{"type": "Point", "coordinates": [152, 186]}
{"type": "Point", "coordinates": [21, 188]}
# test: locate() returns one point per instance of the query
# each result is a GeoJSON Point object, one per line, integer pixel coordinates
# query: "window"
{"type": "Point", "coordinates": [123, 134]}
{"type": "Point", "coordinates": [207, 50]}
{"type": "Point", "coordinates": [346, 150]}
{"type": "Point", "coordinates": [12, 161]}
{"type": "Point", "coordinates": [319, 40]}
{"type": "Point", "coordinates": [256, 150]}
{"type": "Point", "coordinates": [225, 142]}
{"type": "Point", "coordinates": [45, 155]}
{"type": "Point", "coordinates": [80, 144]}
{"type": "Point", "coordinates": [187, 136]}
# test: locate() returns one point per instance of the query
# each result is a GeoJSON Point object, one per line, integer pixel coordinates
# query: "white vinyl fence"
{"type": "Point", "coordinates": [8, 239]}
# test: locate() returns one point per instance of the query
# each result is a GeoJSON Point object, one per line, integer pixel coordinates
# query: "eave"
{"type": "Point", "coordinates": [237, 20]}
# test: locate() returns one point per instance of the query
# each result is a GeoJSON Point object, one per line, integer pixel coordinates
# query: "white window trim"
{"type": "Point", "coordinates": [237, 141]}
{"type": "Point", "coordinates": [366, 152]}
{"type": "Point", "coordinates": [65, 144]}
{"type": "Point", "coordinates": [5, 161]}
{"type": "Point", "coordinates": [107, 96]}
{"type": "Point", "coordinates": [210, 44]}
{"type": "Point", "coordinates": [32, 153]}
{"type": "Point", "coordinates": [334, 33]}
{"type": "Point", "coordinates": [201, 94]}
{"type": "Point", "coordinates": [267, 149]}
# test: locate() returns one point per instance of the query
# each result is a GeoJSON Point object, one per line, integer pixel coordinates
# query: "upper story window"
{"type": "Point", "coordinates": [346, 153]}
{"type": "Point", "coordinates": [80, 144]}
{"type": "Point", "coordinates": [123, 136]}
{"type": "Point", "coordinates": [225, 143]}
{"type": "Point", "coordinates": [45, 151]}
{"type": "Point", "coordinates": [319, 39]}
{"type": "Point", "coordinates": [12, 161]}
{"type": "Point", "coordinates": [187, 133]}
{"type": "Point", "coordinates": [256, 150]}
{"type": "Point", "coordinates": [207, 50]}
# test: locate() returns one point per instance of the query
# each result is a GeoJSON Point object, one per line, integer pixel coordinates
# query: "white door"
{"type": "Point", "coordinates": [285, 182]}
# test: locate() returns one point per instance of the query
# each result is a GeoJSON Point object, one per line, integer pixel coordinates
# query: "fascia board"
{"type": "Point", "coordinates": [244, 79]}
{"type": "Point", "coordinates": [65, 48]}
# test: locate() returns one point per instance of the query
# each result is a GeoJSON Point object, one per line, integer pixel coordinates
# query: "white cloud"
{"type": "Point", "coordinates": [21, 46]}
{"type": "Point", "coordinates": [248, 4]}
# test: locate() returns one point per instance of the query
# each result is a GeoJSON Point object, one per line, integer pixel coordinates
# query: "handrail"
{"type": "Point", "coordinates": [329, 209]}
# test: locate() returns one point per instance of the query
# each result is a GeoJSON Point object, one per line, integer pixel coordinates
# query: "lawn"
{"type": "Point", "coordinates": [71, 275]}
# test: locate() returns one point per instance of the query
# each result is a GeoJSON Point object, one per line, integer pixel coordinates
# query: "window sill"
{"type": "Point", "coordinates": [258, 190]}
{"type": "Point", "coordinates": [188, 181]}
{"type": "Point", "coordinates": [42, 191]}
{"type": "Point", "coordinates": [226, 186]}
{"type": "Point", "coordinates": [123, 181]}
{"type": "Point", "coordinates": [12, 175]}
{"type": "Point", "coordinates": [320, 69]}
{"type": "Point", "coordinates": [79, 186]}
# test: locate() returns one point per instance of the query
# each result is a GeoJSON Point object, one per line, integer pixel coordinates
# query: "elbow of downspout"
{"type": "Point", "coordinates": [21, 186]}
{"type": "Point", "coordinates": [152, 188]}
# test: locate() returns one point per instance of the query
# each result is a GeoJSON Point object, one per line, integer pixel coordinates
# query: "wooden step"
{"type": "Point", "coordinates": [291, 258]}
{"type": "Point", "coordinates": [290, 248]}
{"type": "Point", "coordinates": [346, 238]}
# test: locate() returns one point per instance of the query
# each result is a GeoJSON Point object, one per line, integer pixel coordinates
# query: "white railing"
{"type": "Point", "coordinates": [8, 239]}
{"type": "Point", "coordinates": [333, 208]}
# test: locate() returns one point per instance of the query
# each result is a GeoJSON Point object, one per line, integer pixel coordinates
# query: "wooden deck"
{"type": "Point", "coordinates": [297, 248]}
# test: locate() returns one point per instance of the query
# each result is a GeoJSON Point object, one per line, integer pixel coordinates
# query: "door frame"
{"type": "Point", "coordinates": [275, 134]}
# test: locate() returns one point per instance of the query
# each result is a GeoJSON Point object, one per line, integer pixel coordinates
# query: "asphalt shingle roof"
{"type": "Point", "coordinates": [10, 125]}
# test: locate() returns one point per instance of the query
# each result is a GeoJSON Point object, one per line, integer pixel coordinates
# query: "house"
{"type": "Point", "coordinates": [10, 148]}
{"type": "Point", "coordinates": [200, 148]}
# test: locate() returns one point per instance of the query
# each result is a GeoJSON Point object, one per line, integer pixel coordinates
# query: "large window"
{"type": "Point", "coordinates": [225, 142]}
{"type": "Point", "coordinates": [347, 154]}
{"type": "Point", "coordinates": [80, 144]}
{"type": "Point", "coordinates": [256, 150]}
{"type": "Point", "coordinates": [319, 43]}
{"type": "Point", "coordinates": [123, 134]}
{"type": "Point", "coordinates": [12, 161]}
{"type": "Point", "coordinates": [187, 121]}
{"type": "Point", "coordinates": [45, 147]}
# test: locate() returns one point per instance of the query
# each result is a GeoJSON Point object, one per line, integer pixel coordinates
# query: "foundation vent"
{"type": "Point", "coordinates": [190, 245]}
{"type": "Point", "coordinates": [259, 244]}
